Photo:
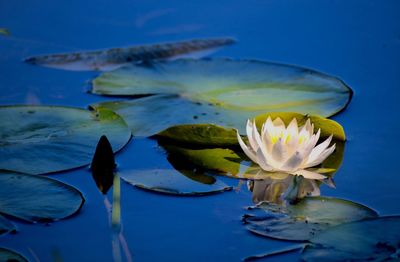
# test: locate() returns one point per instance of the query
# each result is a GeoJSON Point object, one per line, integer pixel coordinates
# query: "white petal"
{"type": "Point", "coordinates": [278, 122]}
{"type": "Point", "coordinates": [262, 161]}
{"type": "Point", "coordinates": [308, 174]}
{"type": "Point", "coordinates": [245, 149]}
{"type": "Point", "coordinates": [293, 162]}
{"type": "Point", "coordinates": [318, 150]}
{"type": "Point", "coordinates": [250, 136]}
{"type": "Point", "coordinates": [321, 158]}
{"type": "Point", "coordinates": [293, 128]}
{"type": "Point", "coordinates": [279, 153]}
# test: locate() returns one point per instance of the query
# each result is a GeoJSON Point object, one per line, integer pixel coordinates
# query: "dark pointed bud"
{"type": "Point", "coordinates": [103, 165]}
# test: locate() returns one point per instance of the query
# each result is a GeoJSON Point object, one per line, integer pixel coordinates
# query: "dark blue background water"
{"type": "Point", "coordinates": [356, 40]}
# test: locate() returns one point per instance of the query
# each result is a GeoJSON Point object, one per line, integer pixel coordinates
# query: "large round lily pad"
{"type": "Point", "coordinates": [174, 182]}
{"type": "Point", "coordinates": [218, 91]}
{"type": "Point", "coordinates": [11, 256]}
{"type": "Point", "coordinates": [46, 139]}
{"type": "Point", "coordinates": [303, 220]}
{"type": "Point", "coordinates": [37, 198]}
{"type": "Point", "coordinates": [369, 240]}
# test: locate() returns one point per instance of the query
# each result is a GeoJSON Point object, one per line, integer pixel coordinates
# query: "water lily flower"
{"type": "Point", "coordinates": [290, 150]}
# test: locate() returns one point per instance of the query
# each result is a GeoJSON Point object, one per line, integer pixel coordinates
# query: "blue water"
{"type": "Point", "coordinates": [357, 40]}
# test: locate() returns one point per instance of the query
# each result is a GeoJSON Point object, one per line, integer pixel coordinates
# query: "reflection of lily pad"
{"type": "Point", "coordinates": [305, 219]}
{"type": "Point", "coordinates": [45, 139]}
{"type": "Point", "coordinates": [11, 256]}
{"type": "Point", "coordinates": [109, 59]}
{"type": "Point", "coordinates": [6, 226]}
{"type": "Point", "coordinates": [36, 198]}
{"type": "Point", "coordinates": [218, 91]}
{"type": "Point", "coordinates": [369, 240]}
{"type": "Point", "coordinates": [170, 181]}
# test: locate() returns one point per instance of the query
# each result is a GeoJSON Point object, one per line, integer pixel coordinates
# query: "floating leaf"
{"type": "Point", "coordinates": [36, 198]}
{"type": "Point", "coordinates": [170, 181]}
{"type": "Point", "coordinates": [6, 226]}
{"type": "Point", "coordinates": [45, 139]}
{"type": "Point", "coordinates": [207, 135]}
{"type": "Point", "coordinates": [369, 240]}
{"type": "Point", "coordinates": [103, 165]}
{"type": "Point", "coordinates": [305, 219]}
{"type": "Point", "coordinates": [247, 87]}
{"type": "Point", "coordinates": [8, 255]}
{"type": "Point", "coordinates": [109, 59]}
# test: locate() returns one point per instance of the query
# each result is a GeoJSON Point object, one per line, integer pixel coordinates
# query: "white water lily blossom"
{"type": "Point", "coordinates": [290, 150]}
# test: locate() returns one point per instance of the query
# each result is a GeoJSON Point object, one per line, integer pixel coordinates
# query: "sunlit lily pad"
{"type": "Point", "coordinates": [171, 181]}
{"type": "Point", "coordinates": [369, 240]}
{"type": "Point", "coordinates": [37, 198]}
{"type": "Point", "coordinates": [305, 219]}
{"type": "Point", "coordinates": [207, 135]}
{"type": "Point", "coordinates": [6, 226]}
{"type": "Point", "coordinates": [234, 90]}
{"type": "Point", "coordinates": [216, 148]}
{"type": "Point", "coordinates": [46, 139]}
{"type": "Point", "coordinates": [109, 59]}
{"type": "Point", "coordinates": [8, 255]}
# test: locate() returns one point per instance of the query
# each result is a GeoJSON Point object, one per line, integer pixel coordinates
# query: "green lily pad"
{"type": "Point", "coordinates": [207, 135]}
{"type": "Point", "coordinates": [46, 139]}
{"type": "Point", "coordinates": [305, 219]}
{"type": "Point", "coordinates": [242, 88]}
{"type": "Point", "coordinates": [169, 181]}
{"type": "Point", "coordinates": [37, 198]}
{"type": "Point", "coordinates": [6, 226]}
{"type": "Point", "coordinates": [11, 256]}
{"type": "Point", "coordinates": [109, 59]}
{"type": "Point", "coordinates": [369, 240]}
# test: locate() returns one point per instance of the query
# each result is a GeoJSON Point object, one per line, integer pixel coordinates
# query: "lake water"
{"type": "Point", "coordinates": [357, 41]}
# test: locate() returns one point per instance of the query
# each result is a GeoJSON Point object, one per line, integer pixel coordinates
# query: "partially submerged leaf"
{"type": "Point", "coordinates": [109, 59]}
{"type": "Point", "coordinates": [36, 198]}
{"type": "Point", "coordinates": [8, 255]}
{"type": "Point", "coordinates": [375, 239]}
{"type": "Point", "coordinates": [207, 135]}
{"type": "Point", "coordinates": [103, 165]}
{"type": "Point", "coordinates": [46, 139]}
{"type": "Point", "coordinates": [6, 226]}
{"type": "Point", "coordinates": [170, 181]}
{"type": "Point", "coordinates": [239, 86]}
{"type": "Point", "coordinates": [305, 219]}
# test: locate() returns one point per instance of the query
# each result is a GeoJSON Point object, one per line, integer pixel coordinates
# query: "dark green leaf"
{"type": "Point", "coordinates": [369, 240]}
{"type": "Point", "coordinates": [36, 198]}
{"type": "Point", "coordinates": [305, 219]}
{"type": "Point", "coordinates": [46, 139]}
{"type": "Point", "coordinates": [170, 181]}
